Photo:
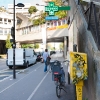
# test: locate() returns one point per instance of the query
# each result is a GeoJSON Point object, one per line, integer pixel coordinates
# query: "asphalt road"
{"type": "Point", "coordinates": [3, 64]}
{"type": "Point", "coordinates": [34, 84]}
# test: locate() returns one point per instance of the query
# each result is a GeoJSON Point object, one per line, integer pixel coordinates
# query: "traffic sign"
{"type": "Point", "coordinates": [51, 18]}
{"type": "Point", "coordinates": [52, 8]}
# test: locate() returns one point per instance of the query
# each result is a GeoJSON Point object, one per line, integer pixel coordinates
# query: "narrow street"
{"type": "Point", "coordinates": [33, 84]}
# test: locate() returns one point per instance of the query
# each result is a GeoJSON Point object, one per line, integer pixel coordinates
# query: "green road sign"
{"type": "Point", "coordinates": [64, 8]}
{"type": "Point", "coordinates": [52, 8]}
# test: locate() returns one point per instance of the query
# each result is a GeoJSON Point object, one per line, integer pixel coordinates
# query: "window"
{"type": "Point", "coordinates": [5, 21]}
{"type": "Point", "coordinates": [63, 21]}
{"type": "Point", "coordinates": [9, 20]}
{"type": "Point", "coordinates": [55, 23]}
{"type": "Point", "coordinates": [5, 31]}
{"type": "Point", "coordinates": [59, 22]}
{"type": "Point", "coordinates": [0, 19]}
{"type": "Point", "coordinates": [1, 31]}
{"type": "Point", "coordinates": [9, 31]}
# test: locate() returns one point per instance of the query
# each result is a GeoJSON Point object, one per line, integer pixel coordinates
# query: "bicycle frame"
{"type": "Point", "coordinates": [58, 77]}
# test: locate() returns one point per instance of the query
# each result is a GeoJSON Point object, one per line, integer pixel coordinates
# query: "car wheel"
{"type": "Point", "coordinates": [10, 67]}
{"type": "Point", "coordinates": [35, 61]}
{"type": "Point", "coordinates": [27, 64]}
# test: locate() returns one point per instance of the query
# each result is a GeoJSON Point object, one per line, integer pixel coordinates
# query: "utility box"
{"type": "Point", "coordinates": [78, 66]}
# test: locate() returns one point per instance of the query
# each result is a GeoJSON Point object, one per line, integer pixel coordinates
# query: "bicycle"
{"type": "Point", "coordinates": [58, 76]}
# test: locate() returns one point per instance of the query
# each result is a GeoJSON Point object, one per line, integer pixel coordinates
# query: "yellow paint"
{"type": "Point", "coordinates": [78, 66]}
{"type": "Point", "coordinates": [62, 26]}
{"type": "Point", "coordinates": [79, 87]}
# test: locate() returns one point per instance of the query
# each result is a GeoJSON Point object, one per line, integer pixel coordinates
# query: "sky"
{"type": "Point", "coordinates": [33, 2]}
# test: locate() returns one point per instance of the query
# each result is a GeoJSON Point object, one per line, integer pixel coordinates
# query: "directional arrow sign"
{"type": "Point", "coordinates": [51, 18]}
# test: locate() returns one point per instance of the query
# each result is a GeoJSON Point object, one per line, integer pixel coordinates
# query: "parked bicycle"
{"type": "Point", "coordinates": [58, 75]}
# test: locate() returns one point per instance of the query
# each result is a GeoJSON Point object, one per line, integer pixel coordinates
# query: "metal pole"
{"type": "Point", "coordinates": [14, 46]}
{"type": "Point", "coordinates": [46, 35]}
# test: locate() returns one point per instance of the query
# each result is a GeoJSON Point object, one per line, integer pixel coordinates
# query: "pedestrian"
{"type": "Point", "coordinates": [45, 56]}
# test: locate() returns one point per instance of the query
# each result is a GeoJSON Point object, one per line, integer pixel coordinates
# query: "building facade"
{"type": "Point", "coordinates": [23, 10]}
{"type": "Point", "coordinates": [6, 22]}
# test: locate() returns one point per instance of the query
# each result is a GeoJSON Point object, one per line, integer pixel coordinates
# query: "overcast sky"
{"type": "Point", "coordinates": [33, 2]}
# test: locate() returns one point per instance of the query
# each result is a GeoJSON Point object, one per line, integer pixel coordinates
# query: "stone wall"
{"type": "Point", "coordinates": [86, 44]}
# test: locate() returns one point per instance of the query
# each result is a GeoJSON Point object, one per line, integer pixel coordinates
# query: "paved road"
{"type": "Point", "coordinates": [3, 64]}
{"type": "Point", "coordinates": [33, 84]}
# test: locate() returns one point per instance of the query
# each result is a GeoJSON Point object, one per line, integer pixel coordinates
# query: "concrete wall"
{"type": "Point", "coordinates": [86, 44]}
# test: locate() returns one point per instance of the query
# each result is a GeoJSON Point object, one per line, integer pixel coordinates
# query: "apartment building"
{"type": "Point", "coordinates": [6, 22]}
{"type": "Point", "coordinates": [23, 10]}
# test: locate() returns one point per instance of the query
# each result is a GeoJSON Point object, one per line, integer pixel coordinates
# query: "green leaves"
{"type": "Point", "coordinates": [8, 43]}
{"type": "Point", "coordinates": [32, 9]}
{"type": "Point", "coordinates": [36, 46]}
{"type": "Point", "coordinates": [27, 46]}
{"type": "Point", "coordinates": [40, 20]}
{"type": "Point", "coordinates": [61, 14]}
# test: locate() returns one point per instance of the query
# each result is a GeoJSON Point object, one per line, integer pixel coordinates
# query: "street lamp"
{"type": "Point", "coordinates": [14, 44]}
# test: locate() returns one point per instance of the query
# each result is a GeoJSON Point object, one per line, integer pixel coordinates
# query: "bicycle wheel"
{"type": "Point", "coordinates": [58, 91]}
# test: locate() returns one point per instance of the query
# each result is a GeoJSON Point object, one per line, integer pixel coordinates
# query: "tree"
{"type": "Point", "coordinates": [2, 9]}
{"type": "Point", "coordinates": [60, 14]}
{"type": "Point", "coordinates": [40, 20]}
{"type": "Point", "coordinates": [61, 46]}
{"type": "Point", "coordinates": [27, 46]}
{"type": "Point", "coordinates": [32, 9]}
{"type": "Point", "coordinates": [58, 2]}
{"type": "Point", "coordinates": [8, 43]}
{"type": "Point", "coordinates": [36, 46]}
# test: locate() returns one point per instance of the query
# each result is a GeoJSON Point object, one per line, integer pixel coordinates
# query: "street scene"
{"type": "Point", "coordinates": [32, 83]}
{"type": "Point", "coordinates": [50, 50]}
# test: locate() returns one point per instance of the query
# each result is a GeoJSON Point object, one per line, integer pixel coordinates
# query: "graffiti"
{"type": "Point", "coordinates": [79, 61]}
{"type": "Point", "coordinates": [78, 66]}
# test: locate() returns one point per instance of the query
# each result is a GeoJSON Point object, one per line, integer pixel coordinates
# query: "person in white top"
{"type": "Point", "coordinates": [45, 55]}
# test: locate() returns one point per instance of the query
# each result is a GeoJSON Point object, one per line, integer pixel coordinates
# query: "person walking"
{"type": "Point", "coordinates": [45, 56]}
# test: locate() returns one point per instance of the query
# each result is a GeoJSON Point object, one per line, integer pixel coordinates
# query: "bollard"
{"type": "Point", "coordinates": [79, 88]}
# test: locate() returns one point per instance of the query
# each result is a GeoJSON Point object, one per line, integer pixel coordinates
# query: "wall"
{"type": "Point", "coordinates": [85, 43]}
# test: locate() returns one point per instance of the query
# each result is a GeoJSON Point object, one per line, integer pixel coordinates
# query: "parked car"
{"type": "Point", "coordinates": [39, 56]}
{"type": "Point", "coordinates": [23, 57]}
{"type": "Point", "coordinates": [52, 52]}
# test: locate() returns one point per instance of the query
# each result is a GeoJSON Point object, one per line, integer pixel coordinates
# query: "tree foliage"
{"type": "Point", "coordinates": [8, 43]}
{"type": "Point", "coordinates": [40, 20]}
{"type": "Point", "coordinates": [27, 46]}
{"type": "Point", "coordinates": [58, 2]}
{"type": "Point", "coordinates": [32, 9]}
{"type": "Point", "coordinates": [61, 46]}
{"type": "Point", "coordinates": [60, 14]}
{"type": "Point", "coordinates": [2, 9]}
{"type": "Point", "coordinates": [36, 46]}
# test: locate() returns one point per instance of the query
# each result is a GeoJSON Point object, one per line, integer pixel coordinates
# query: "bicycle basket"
{"type": "Point", "coordinates": [56, 67]}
